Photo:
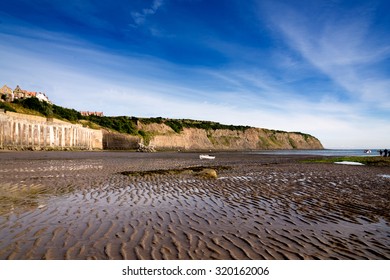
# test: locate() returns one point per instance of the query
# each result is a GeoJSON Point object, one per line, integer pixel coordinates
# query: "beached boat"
{"type": "Point", "coordinates": [349, 162]}
{"type": "Point", "coordinates": [206, 157]}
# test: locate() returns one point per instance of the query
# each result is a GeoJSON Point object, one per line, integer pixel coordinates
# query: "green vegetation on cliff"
{"type": "Point", "coordinates": [33, 106]}
{"type": "Point", "coordinates": [120, 124]}
{"type": "Point", "coordinates": [179, 125]}
{"type": "Point", "coordinates": [5, 106]}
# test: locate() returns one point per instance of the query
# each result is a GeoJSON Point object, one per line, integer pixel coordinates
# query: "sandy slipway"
{"type": "Point", "coordinates": [79, 205]}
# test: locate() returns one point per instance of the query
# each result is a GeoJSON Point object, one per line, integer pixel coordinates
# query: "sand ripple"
{"type": "Point", "coordinates": [82, 208]}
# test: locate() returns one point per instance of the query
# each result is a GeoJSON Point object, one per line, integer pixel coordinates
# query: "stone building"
{"type": "Point", "coordinates": [6, 94]}
{"type": "Point", "coordinates": [42, 97]}
{"type": "Point", "coordinates": [21, 93]}
{"type": "Point", "coordinates": [88, 113]}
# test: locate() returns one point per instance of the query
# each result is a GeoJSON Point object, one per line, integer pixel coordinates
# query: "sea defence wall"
{"type": "Point", "coordinates": [27, 132]}
{"type": "Point", "coordinates": [120, 141]}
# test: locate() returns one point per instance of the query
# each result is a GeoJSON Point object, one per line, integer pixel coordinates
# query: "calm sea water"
{"type": "Point", "coordinates": [326, 152]}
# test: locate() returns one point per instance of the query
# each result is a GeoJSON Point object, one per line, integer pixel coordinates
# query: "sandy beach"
{"type": "Point", "coordinates": [80, 205]}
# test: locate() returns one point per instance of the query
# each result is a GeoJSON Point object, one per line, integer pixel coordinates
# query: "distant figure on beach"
{"type": "Point", "coordinates": [386, 152]}
{"type": "Point", "coordinates": [380, 152]}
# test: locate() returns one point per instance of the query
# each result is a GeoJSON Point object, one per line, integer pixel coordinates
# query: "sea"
{"type": "Point", "coordinates": [325, 152]}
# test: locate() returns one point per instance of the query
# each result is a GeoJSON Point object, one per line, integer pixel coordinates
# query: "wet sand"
{"type": "Point", "coordinates": [78, 205]}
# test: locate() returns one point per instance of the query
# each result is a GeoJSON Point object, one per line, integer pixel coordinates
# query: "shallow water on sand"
{"type": "Point", "coordinates": [79, 206]}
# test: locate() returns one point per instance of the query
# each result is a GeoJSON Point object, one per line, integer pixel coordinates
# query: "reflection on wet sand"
{"type": "Point", "coordinates": [259, 207]}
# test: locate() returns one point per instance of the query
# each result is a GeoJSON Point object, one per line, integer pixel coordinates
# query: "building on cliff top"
{"type": "Point", "coordinates": [9, 95]}
{"type": "Point", "coordinates": [88, 113]}
{"type": "Point", "coordinates": [6, 94]}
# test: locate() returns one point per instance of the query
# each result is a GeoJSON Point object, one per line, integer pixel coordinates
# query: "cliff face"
{"type": "Point", "coordinates": [162, 137]}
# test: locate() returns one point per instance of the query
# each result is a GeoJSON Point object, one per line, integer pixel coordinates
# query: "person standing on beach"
{"type": "Point", "coordinates": [385, 153]}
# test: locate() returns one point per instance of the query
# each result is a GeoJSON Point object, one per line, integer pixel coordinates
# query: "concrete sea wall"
{"type": "Point", "coordinates": [26, 132]}
{"type": "Point", "coordinates": [120, 141]}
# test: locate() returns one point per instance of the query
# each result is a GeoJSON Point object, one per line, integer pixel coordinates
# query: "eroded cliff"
{"type": "Point", "coordinates": [163, 137]}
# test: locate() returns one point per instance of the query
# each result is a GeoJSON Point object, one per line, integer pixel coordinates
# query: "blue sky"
{"type": "Point", "coordinates": [319, 67]}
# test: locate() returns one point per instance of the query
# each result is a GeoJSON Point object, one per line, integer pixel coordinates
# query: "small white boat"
{"type": "Point", "coordinates": [367, 151]}
{"type": "Point", "coordinates": [206, 157]}
{"type": "Point", "coordinates": [349, 163]}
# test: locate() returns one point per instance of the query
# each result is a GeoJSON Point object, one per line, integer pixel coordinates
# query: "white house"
{"type": "Point", "coordinates": [42, 97]}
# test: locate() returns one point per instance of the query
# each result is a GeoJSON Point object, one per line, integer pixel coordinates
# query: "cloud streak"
{"type": "Point", "coordinates": [140, 17]}
{"type": "Point", "coordinates": [342, 47]}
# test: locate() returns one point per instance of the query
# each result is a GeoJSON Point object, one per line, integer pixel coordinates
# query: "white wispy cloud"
{"type": "Point", "coordinates": [139, 17]}
{"type": "Point", "coordinates": [341, 46]}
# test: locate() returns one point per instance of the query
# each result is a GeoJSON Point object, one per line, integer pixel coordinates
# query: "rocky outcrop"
{"type": "Point", "coordinates": [146, 148]}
